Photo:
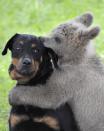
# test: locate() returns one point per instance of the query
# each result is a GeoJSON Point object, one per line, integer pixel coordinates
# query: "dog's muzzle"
{"type": "Point", "coordinates": [26, 67]}
{"type": "Point", "coordinates": [27, 62]}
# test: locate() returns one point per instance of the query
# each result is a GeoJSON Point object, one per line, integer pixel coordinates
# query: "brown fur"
{"type": "Point", "coordinates": [33, 45]}
{"type": "Point", "coordinates": [48, 120]}
{"type": "Point", "coordinates": [16, 119]}
{"type": "Point", "coordinates": [15, 61]}
{"type": "Point", "coordinates": [14, 75]}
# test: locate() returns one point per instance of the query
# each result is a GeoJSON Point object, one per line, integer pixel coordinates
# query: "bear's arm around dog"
{"type": "Point", "coordinates": [50, 95]}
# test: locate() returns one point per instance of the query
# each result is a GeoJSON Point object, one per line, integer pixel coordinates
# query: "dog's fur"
{"type": "Point", "coordinates": [32, 64]}
{"type": "Point", "coordinates": [80, 81]}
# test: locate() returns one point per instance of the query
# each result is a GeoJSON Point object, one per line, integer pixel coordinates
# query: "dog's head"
{"type": "Point", "coordinates": [28, 54]}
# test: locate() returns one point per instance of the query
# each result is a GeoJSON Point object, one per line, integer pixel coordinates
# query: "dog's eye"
{"type": "Point", "coordinates": [35, 50]}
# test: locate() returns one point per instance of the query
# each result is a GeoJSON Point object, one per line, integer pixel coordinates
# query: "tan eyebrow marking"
{"type": "Point", "coordinates": [33, 45]}
{"type": "Point", "coordinates": [21, 42]}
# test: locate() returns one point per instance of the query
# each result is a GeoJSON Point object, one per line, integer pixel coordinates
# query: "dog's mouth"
{"type": "Point", "coordinates": [25, 72]}
{"type": "Point", "coordinates": [22, 74]}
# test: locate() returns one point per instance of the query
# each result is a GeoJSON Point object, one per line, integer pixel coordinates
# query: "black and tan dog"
{"type": "Point", "coordinates": [32, 63]}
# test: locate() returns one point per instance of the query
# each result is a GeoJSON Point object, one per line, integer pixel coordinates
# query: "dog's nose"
{"type": "Point", "coordinates": [27, 61]}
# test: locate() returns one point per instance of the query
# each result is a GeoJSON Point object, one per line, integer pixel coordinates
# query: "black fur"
{"type": "Point", "coordinates": [9, 44]}
{"type": "Point", "coordinates": [32, 112]}
{"type": "Point", "coordinates": [63, 114]}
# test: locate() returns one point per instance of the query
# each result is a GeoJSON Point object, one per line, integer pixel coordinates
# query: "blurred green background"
{"type": "Point", "coordinates": [38, 17]}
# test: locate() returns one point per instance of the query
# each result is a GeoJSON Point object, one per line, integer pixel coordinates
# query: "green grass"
{"type": "Point", "coordinates": [38, 17]}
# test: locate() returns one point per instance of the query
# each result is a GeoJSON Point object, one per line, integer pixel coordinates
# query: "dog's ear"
{"type": "Point", "coordinates": [53, 56]}
{"type": "Point", "coordinates": [9, 44]}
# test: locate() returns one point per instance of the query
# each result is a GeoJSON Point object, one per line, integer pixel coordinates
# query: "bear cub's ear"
{"type": "Point", "coordinates": [86, 19]}
{"type": "Point", "coordinates": [90, 33]}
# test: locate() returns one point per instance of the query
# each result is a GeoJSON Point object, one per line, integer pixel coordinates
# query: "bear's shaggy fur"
{"type": "Point", "coordinates": [80, 79]}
